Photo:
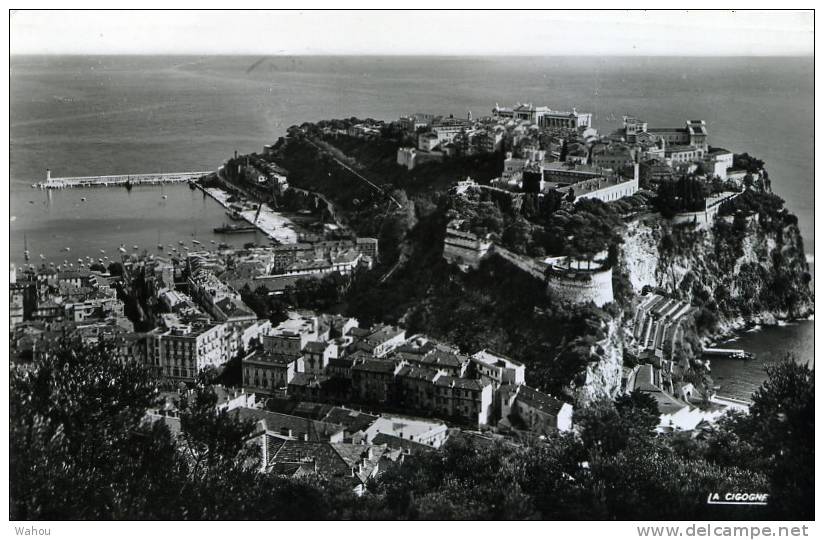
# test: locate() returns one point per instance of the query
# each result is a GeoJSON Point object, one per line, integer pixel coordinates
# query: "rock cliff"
{"type": "Point", "coordinates": [602, 377]}
{"type": "Point", "coordinates": [743, 271]}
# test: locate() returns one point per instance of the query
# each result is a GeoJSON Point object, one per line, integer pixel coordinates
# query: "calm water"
{"type": "Point", "coordinates": [740, 378]}
{"type": "Point", "coordinates": [110, 115]}
{"type": "Point", "coordinates": [54, 220]}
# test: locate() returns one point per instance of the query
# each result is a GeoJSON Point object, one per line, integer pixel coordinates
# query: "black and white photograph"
{"type": "Point", "coordinates": [411, 265]}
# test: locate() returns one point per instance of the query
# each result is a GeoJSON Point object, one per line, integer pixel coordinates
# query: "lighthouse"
{"type": "Point", "coordinates": [48, 176]}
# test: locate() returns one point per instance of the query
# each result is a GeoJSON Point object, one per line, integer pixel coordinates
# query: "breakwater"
{"type": "Point", "coordinates": [65, 182]}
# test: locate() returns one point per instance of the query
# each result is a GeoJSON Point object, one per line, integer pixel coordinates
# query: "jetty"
{"type": "Point", "coordinates": [120, 180]}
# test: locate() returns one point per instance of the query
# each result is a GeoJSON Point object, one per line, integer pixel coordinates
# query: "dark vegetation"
{"type": "Point", "coordinates": [782, 286]}
{"type": "Point", "coordinates": [687, 194]}
{"type": "Point", "coordinates": [80, 449]}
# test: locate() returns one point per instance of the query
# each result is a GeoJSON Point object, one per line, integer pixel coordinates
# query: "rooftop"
{"type": "Point", "coordinates": [539, 400]}
{"type": "Point", "coordinates": [271, 358]}
{"type": "Point", "coordinates": [283, 424]}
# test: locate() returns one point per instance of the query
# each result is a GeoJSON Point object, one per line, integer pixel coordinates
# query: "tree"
{"type": "Point", "coordinates": [78, 446]}
{"type": "Point", "coordinates": [781, 425]}
{"type": "Point", "coordinates": [639, 411]}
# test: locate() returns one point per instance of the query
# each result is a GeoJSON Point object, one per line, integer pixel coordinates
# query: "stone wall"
{"type": "Point", "coordinates": [464, 249]}
{"type": "Point", "coordinates": [581, 286]}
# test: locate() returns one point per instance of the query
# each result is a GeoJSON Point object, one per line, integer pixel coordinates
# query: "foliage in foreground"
{"type": "Point", "coordinates": [81, 450]}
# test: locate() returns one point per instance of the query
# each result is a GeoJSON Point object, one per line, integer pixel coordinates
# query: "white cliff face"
{"type": "Point", "coordinates": [603, 377]}
{"type": "Point", "coordinates": [693, 265]}
{"type": "Point", "coordinates": [641, 255]}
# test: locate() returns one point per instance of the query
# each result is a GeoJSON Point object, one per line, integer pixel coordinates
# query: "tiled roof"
{"type": "Point", "coordinates": [445, 359]}
{"type": "Point", "coordinates": [539, 400]}
{"type": "Point", "coordinates": [403, 444]}
{"type": "Point", "coordinates": [277, 359]}
{"type": "Point", "coordinates": [280, 424]}
{"type": "Point", "coordinates": [459, 382]}
{"type": "Point", "coordinates": [312, 410]}
{"type": "Point", "coordinates": [332, 460]}
{"type": "Point", "coordinates": [375, 365]}
{"type": "Point", "coordinates": [353, 421]}
{"type": "Point", "coordinates": [419, 373]}
{"type": "Point", "coordinates": [383, 333]}
{"type": "Point", "coordinates": [308, 380]}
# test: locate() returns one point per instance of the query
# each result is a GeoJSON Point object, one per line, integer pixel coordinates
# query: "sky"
{"type": "Point", "coordinates": [541, 33]}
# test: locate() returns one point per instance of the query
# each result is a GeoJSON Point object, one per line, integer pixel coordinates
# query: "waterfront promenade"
{"type": "Point", "coordinates": [118, 180]}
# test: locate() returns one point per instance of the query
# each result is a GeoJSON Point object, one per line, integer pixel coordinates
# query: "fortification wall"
{"type": "Point", "coordinates": [702, 219]}
{"type": "Point", "coordinates": [581, 286]}
{"type": "Point", "coordinates": [463, 251]}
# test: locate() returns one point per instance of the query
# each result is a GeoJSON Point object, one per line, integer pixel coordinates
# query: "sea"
{"type": "Point", "coordinates": [94, 115]}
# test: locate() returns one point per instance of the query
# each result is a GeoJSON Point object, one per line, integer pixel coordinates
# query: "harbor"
{"type": "Point", "coordinates": [91, 219]}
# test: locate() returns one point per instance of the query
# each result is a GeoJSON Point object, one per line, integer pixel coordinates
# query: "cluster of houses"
{"type": "Point", "coordinates": [520, 127]}
{"type": "Point", "coordinates": [329, 358]}
{"type": "Point", "coordinates": [309, 438]}
{"type": "Point", "coordinates": [51, 303]}
{"type": "Point", "coordinates": [200, 319]}
{"type": "Point", "coordinates": [286, 264]}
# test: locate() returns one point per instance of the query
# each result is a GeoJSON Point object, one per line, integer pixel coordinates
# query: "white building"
{"type": "Point", "coordinates": [185, 349]}
{"type": "Point", "coordinates": [498, 368]}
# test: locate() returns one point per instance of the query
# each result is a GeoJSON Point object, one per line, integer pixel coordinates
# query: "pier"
{"type": "Point", "coordinates": [123, 180]}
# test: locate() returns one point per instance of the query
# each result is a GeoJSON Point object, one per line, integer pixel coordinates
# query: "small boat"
{"type": "Point", "coordinates": [196, 242]}
{"type": "Point", "coordinates": [67, 248]}
{"type": "Point", "coordinates": [42, 257]}
{"type": "Point", "coordinates": [164, 197]}
{"type": "Point", "coordinates": [212, 241]}
{"type": "Point", "coordinates": [186, 248]}
{"type": "Point", "coordinates": [135, 247]}
{"type": "Point", "coordinates": [122, 250]}
{"type": "Point", "coordinates": [160, 246]}
{"type": "Point", "coordinates": [181, 242]}
{"type": "Point", "coordinates": [83, 199]}
{"type": "Point", "coordinates": [102, 251]}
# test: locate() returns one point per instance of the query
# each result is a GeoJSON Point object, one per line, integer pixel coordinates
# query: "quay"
{"type": "Point", "coordinates": [731, 403]}
{"type": "Point", "coordinates": [271, 223]}
{"type": "Point", "coordinates": [118, 180]}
